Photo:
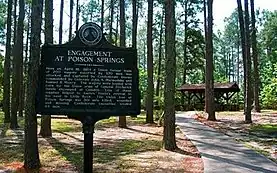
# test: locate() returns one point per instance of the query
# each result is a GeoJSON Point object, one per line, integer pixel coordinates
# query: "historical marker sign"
{"type": "Point", "coordinates": [88, 76]}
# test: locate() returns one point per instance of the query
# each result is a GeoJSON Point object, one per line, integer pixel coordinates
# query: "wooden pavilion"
{"type": "Point", "coordinates": [223, 92]}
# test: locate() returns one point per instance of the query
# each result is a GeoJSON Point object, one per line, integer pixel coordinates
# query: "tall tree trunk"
{"type": "Point", "coordinates": [205, 19]}
{"type": "Point", "coordinates": [144, 55]}
{"type": "Point", "coordinates": [150, 80]}
{"type": "Point", "coordinates": [14, 21]}
{"type": "Point", "coordinates": [14, 60]}
{"type": "Point", "coordinates": [111, 21]}
{"type": "Point", "coordinates": [18, 65]}
{"type": "Point", "coordinates": [102, 14]}
{"type": "Point", "coordinates": [256, 74]}
{"type": "Point", "coordinates": [122, 119]}
{"type": "Point", "coordinates": [70, 19]}
{"type": "Point", "coordinates": [61, 22]}
{"type": "Point", "coordinates": [238, 64]}
{"type": "Point", "coordinates": [7, 65]}
{"type": "Point", "coordinates": [185, 49]}
{"type": "Point", "coordinates": [205, 56]}
{"type": "Point", "coordinates": [31, 154]}
{"type": "Point", "coordinates": [27, 39]}
{"type": "Point", "coordinates": [169, 139]}
{"type": "Point", "coordinates": [77, 14]}
{"type": "Point", "coordinates": [209, 91]}
{"type": "Point", "coordinates": [242, 36]}
{"type": "Point", "coordinates": [27, 54]}
{"type": "Point", "coordinates": [160, 57]}
{"type": "Point", "coordinates": [21, 91]}
{"type": "Point", "coordinates": [116, 29]}
{"type": "Point", "coordinates": [134, 24]}
{"type": "Point", "coordinates": [248, 84]}
{"type": "Point", "coordinates": [45, 130]}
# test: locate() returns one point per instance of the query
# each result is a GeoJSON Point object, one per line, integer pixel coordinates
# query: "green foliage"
{"type": "Point", "coordinates": [264, 128]}
{"type": "Point", "coordinates": [142, 84]}
{"type": "Point", "coordinates": [268, 59]}
{"type": "Point", "coordinates": [269, 94]}
{"type": "Point", "coordinates": [268, 48]}
{"type": "Point", "coordinates": [3, 10]}
{"type": "Point", "coordinates": [65, 126]}
{"type": "Point", "coordinates": [91, 11]}
{"type": "Point", "coordinates": [1, 76]}
{"type": "Point", "coordinates": [226, 44]}
{"type": "Point", "coordinates": [190, 44]}
{"type": "Point", "coordinates": [269, 31]}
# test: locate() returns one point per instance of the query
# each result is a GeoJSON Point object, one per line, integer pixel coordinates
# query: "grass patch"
{"type": "Point", "coordinates": [11, 153]}
{"type": "Point", "coordinates": [55, 152]}
{"type": "Point", "coordinates": [113, 121]}
{"type": "Point", "coordinates": [65, 125]}
{"type": "Point", "coordinates": [269, 129]}
{"type": "Point", "coordinates": [72, 153]}
{"type": "Point", "coordinates": [125, 147]}
{"type": "Point", "coordinates": [1, 117]}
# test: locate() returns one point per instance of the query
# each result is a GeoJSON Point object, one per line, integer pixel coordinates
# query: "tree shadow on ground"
{"type": "Point", "coordinates": [183, 152]}
{"type": "Point", "coordinates": [141, 131]}
{"type": "Point", "coordinates": [103, 154]}
{"type": "Point", "coordinates": [69, 135]}
{"type": "Point", "coordinates": [11, 146]}
{"type": "Point", "coordinates": [72, 153]}
{"type": "Point", "coordinates": [4, 128]}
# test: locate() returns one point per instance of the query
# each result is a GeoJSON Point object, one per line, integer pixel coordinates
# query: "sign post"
{"type": "Point", "coordinates": [88, 79]}
{"type": "Point", "coordinates": [88, 130]}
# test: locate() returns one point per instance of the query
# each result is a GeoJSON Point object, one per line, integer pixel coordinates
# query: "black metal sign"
{"type": "Point", "coordinates": [88, 76]}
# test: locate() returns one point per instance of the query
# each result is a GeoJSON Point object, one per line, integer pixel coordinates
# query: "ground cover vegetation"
{"type": "Point", "coordinates": [135, 149]}
{"type": "Point", "coordinates": [176, 44]}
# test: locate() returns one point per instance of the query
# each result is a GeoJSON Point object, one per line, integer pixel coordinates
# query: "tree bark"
{"type": "Point", "coordinates": [77, 14]}
{"type": "Point", "coordinates": [7, 65]}
{"type": "Point", "coordinates": [205, 18]}
{"type": "Point", "coordinates": [134, 24]}
{"type": "Point", "coordinates": [116, 29]}
{"type": "Point", "coordinates": [169, 139]}
{"type": "Point", "coordinates": [205, 56]}
{"type": "Point", "coordinates": [150, 81]}
{"type": "Point", "coordinates": [14, 22]}
{"type": "Point", "coordinates": [256, 73]}
{"type": "Point", "coordinates": [31, 154]}
{"type": "Point", "coordinates": [27, 39]}
{"type": "Point", "coordinates": [18, 66]}
{"type": "Point", "coordinates": [242, 36]}
{"type": "Point", "coordinates": [160, 57]}
{"type": "Point", "coordinates": [45, 130]}
{"type": "Point", "coordinates": [102, 14]}
{"type": "Point", "coordinates": [61, 23]}
{"type": "Point", "coordinates": [185, 49]}
{"type": "Point", "coordinates": [122, 119]}
{"type": "Point", "coordinates": [111, 21]}
{"type": "Point", "coordinates": [248, 84]}
{"type": "Point", "coordinates": [70, 19]}
{"type": "Point", "coordinates": [21, 90]}
{"type": "Point", "coordinates": [209, 91]}
{"type": "Point", "coordinates": [27, 53]}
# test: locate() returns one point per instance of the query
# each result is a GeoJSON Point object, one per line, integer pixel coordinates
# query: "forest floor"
{"type": "Point", "coordinates": [261, 135]}
{"type": "Point", "coordinates": [136, 149]}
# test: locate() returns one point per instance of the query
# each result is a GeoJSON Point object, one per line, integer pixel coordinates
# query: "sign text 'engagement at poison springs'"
{"type": "Point", "coordinates": [77, 79]}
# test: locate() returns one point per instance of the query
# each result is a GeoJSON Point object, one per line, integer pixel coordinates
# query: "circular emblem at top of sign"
{"type": "Point", "coordinates": [90, 34]}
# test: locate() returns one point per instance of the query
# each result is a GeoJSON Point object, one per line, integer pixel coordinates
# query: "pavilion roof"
{"type": "Point", "coordinates": [218, 87]}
